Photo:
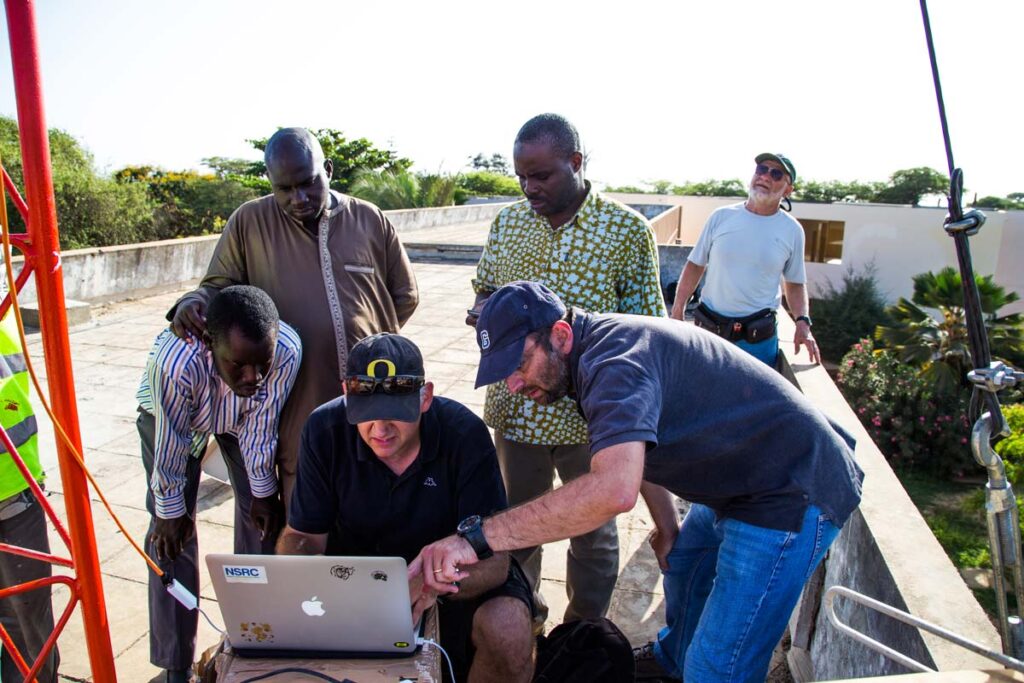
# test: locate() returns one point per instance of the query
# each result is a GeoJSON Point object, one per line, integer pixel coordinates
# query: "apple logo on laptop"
{"type": "Point", "coordinates": [313, 607]}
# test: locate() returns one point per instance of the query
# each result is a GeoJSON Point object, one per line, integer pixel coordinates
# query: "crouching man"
{"type": "Point", "coordinates": [671, 407]}
{"type": "Point", "coordinates": [233, 385]}
{"type": "Point", "coordinates": [387, 469]}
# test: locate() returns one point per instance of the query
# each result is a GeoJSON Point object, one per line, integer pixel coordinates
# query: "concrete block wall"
{"type": "Point", "coordinates": [112, 273]}
{"type": "Point", "coordinates": [407, 220]}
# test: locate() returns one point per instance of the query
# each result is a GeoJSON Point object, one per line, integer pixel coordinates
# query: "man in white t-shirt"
{"type": "Point", "coordinates": [747, 249]}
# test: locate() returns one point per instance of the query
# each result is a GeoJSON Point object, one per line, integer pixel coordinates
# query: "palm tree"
{"type": "Point", "coordinates": [939, 346]}
{"type": "Point", "coordinates": [404, 190]}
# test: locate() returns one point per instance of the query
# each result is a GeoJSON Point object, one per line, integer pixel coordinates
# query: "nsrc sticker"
{"type": "Point", "coordinates": [244, 574]}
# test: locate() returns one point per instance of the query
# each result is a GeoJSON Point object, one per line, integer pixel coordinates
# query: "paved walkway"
{"type": "Point", "coordinates": [109, 355]}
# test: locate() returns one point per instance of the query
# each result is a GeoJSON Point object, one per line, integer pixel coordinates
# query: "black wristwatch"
{"type": "Point", "coordinates": [472, 529]}
{"type": "Point", "coordinates": [806, 319]}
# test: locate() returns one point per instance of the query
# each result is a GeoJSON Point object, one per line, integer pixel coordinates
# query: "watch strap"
{"type": "Point", "coordinates": [474, 535]}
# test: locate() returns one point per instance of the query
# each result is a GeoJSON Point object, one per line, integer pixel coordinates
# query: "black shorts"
{"type": "Point", "coordinates": [456, 619]}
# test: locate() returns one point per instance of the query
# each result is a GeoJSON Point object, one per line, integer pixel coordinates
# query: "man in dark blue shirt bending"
{"type": "Point", "coordinates": [672, 408]}
{"type": "Point", "coordinates": [388, 468]}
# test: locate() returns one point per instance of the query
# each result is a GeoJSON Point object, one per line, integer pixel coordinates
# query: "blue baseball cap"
{"type": "Point", "coordinates": [510, 314]}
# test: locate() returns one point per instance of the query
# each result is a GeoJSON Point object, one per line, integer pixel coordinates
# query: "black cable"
{"type": "Point", "coordinates": [297, 670]}
{"type": "Point", "coordinates": [938, 88]}
{"type": "Point", "coordinates": [974, 317]}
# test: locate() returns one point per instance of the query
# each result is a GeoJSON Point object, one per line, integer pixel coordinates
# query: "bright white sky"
{"type": "Point", "coordinates": [676, 90]}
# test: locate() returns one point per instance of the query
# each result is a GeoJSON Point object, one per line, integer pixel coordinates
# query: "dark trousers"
{"type": "Point", "coordinates": [172, 628]}
{"type": "Point", "coordinates": [28, 617]}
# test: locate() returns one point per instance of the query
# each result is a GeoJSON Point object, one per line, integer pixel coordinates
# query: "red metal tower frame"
{"type": "Point", "coordinates": [43, 256]}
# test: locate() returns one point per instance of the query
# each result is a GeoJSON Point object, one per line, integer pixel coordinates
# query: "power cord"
{"type": "Point", "coordinates": [430, 641]}
{"type": "Point", "coordinates": [298, 670]}
{"type": "Point", "coordinates": [212, 625]}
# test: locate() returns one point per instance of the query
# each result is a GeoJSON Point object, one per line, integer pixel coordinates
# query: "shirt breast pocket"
{"type": "Point", "coordinates": [363, 268]}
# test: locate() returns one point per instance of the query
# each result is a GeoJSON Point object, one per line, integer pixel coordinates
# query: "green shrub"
{"type": "Point", "coordinates": [1011, 449]}
{"type": "Point", "coordinates": [487, 184]}
{"type": "Point", "coordinates": [845, 314]}
{"type": "Point", "coordinates": [912, 425]}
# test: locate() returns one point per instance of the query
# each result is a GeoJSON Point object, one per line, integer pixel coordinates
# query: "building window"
{"type": "Point", "coordinates": [823, 241]}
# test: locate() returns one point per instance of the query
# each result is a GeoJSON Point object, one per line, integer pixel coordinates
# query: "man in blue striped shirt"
{"type": "Point", "coordinates": [232, 386]}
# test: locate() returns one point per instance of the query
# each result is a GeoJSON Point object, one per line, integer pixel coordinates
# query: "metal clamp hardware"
{"type": "Point", "coordinates": [969, 225]}
{"type": "Point", "coordinates": [995, 377]}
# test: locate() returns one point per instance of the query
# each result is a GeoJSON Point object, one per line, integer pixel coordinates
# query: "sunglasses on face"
{"type": "Point", "coordinates": [775, 173]}
{"type": "Point", "coordinates": [396, 385]}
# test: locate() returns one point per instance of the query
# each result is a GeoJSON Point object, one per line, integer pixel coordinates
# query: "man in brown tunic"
{"type": "Point", "coordinates": [333, 265]}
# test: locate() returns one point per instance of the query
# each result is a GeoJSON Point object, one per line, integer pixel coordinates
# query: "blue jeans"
{"type": "Point", "coordinates": [766, 351]}
{"type": "Point", "coordinates": [729, 592]}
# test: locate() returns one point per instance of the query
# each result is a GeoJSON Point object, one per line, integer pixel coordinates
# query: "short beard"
{"type": "Point", "coordinates": [556, 378]}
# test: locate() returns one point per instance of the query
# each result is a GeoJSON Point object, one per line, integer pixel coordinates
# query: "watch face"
{"type": "Point", "coordinates": [468, 523]}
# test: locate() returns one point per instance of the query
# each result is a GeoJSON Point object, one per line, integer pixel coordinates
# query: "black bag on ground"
{"type": "Point", "coordinates": [584, 651]}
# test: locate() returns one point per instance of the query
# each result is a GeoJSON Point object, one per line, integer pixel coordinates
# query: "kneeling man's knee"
{"type": "Point", "coordinates": [503, 637]}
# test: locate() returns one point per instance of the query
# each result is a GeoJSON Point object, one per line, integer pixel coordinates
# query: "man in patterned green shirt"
{"type": "Point", "coordinates": [594, 253]}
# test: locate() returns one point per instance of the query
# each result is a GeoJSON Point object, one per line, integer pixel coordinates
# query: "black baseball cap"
{"type": "Point", "coordinates": [510, 314]}
{"type": "Point", "coordinates": [380, 356]}
{"type": "Point", "coordinates": [781, 160]}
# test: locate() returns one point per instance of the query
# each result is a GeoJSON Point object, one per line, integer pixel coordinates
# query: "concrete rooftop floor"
{"type": "Point", "coordinates": [109, 354]}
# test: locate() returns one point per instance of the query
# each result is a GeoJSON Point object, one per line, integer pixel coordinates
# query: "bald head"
{"type": "Point", "coordinates": [291, 141]}
{"type": "Point", "coordinates": [299, 175]}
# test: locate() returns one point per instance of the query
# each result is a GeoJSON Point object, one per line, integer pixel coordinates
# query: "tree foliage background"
{"type": "Point", "coordinates": [143, 203]}
{"type": "Point", "coordinates": [350, 158]}
{"type": "Point", "coordinates": [92, 210]}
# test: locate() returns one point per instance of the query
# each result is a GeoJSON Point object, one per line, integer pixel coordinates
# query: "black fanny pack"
{"type": "Point", "coordinates": [753, 328]}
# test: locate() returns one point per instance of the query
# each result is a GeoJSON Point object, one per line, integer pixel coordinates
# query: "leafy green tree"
{"type": "Point", "coordinates": [712, 188]}
{"type": "Point", "coordinates": [938, 346]}
{"type": "Point", "coordinates": [909, 185]}
{"type": "Point", "coordinates": [187, 203]}
{"type": "Point", "coordinates": [92, 210]}
{"type": "Point", "coordinates": [227, 167]}
{"type": "Point", "coordinates": [496, 163]}
{"type": "Point", "coordinates": [627, 189]}
{"type": "Point", "coordinates": [1011, 202]}
{"type": "Point", "coordinates": [350, 158]}
{"type": "Point", "coordinates": [404, 190]}
{"type": "Point", "coordinates": [830, 191]}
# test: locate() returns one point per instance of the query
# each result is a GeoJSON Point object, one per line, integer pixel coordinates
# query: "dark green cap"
{"type": "Point", "coordinates": [780, 159]}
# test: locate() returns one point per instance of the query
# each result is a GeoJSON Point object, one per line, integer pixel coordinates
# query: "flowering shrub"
{"type": "Point", "coordinates": [911, 424]}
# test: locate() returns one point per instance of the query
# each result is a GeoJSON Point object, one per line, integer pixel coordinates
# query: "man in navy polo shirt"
{"type": "Point", "coordinates": [672, 408]}
{"type": "Point", "coordinates": [388, 468]}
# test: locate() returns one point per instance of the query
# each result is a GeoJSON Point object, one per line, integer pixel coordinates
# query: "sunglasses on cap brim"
{"type": "Point", "coordinates": [396, 385]}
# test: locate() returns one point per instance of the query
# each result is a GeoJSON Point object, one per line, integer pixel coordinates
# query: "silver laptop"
{"type": "Point", "coordinates": [314, 606]}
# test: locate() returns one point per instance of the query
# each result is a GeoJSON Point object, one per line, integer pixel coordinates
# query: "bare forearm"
{"type": "Point", "coordinates": [292, 542]}
{"type": "Point", "coordinates": [575, 508]}
{"type": "Point", "coordinates": [688, 281]}
{"type": "Point", "coordinates": [796, 298]}
{"type": "Point", "coordinates": [661, 504]}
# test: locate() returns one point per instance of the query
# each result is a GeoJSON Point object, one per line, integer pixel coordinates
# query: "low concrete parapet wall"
{"type": "Point", "coordinates": [105, 274]}
{"type": "Point", "coordinates": [130, 270]}
{"type": "Point", "coordinates": [885, 551]}
{"type": "Point", "coordinates": [407, 220]}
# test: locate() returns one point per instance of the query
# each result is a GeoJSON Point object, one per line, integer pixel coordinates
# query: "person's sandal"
{"type": "Point", "coordinates": [647, 665]}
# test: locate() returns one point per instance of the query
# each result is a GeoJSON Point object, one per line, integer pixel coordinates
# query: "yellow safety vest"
{"type": "Point", "coordinates": [16, 414]}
